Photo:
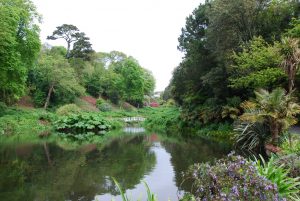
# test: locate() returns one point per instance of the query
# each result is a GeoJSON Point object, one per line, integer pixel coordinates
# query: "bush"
{"type": "Point", "coordinates": [163, 119]}
{"type": "Point", "coordinates": [68, 109]}
{"type": "Point", "coordinates": [23, 123]}
{"type": "Point", "coordinates": [3, 108]}
{"type": "Point", "coordinates": [232, 178]}
{"type": "Point", "coordinates": [82, 123]}
{"type": "Point", "coordinates": [251, 136]}
{"type": "Point", "coordinates": [170, 102]}
{"type": "Point", "coordinates": [288, 148]}
{"type": "Point", "coordinates": [216, 131]}
{"type": "Point", "coordinates": [105, 107]}
{"type": "Point", "coordinates": [99, 101]}
{"type": "Point", "coordinates": [287, 186]}
{"type": "Point", "coordinates": [39, 98]}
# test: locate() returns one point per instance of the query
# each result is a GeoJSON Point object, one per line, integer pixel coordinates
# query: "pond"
{"type": "Point", "coordinates": [46, 171]}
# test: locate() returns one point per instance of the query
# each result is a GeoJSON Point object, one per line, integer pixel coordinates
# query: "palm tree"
{"type": "Point", "coordinates": [276, 110]}
{"type": "Point", "coordinates": [291, 52]}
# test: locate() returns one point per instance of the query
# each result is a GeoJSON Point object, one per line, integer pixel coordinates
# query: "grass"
{"type": "Point", "coordinates": [21, 124]}
{"type": "Point", "coordinates": [294, 147]}
{"type": "Point", "coordinates": [150, 195]}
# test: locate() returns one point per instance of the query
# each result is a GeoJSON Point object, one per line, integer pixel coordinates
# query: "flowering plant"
{"type": "Point", "coordinates": [232, 178]}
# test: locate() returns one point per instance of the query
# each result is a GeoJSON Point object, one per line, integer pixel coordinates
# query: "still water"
{"type": "Point", "coordinates": [49, 172]}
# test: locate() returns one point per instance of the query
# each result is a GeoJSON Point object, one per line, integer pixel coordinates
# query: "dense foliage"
{"type": "Point", "coordinates": [82, 123]}
{"type": "Point", "coordinates": [266, 118]}
{"type": "Point", "coordinates": [232, 47]}
{"type": "Point", "coordinates": [68, 109]}
{"type": "Point", "coordinates": [233, 178]}
{"type": "Point", "coordinates": [22, 124]}
{"type": "Point", "coordinates": [287, 187]}
{"type": "Point", "coordinates": [55, 75]}
{"type": "Point", "coordinates": [19, 46]}
{"type": "Point", "coordinates": [119, 78]}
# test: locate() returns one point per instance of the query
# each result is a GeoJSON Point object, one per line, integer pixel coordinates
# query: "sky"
{"type": "Point", "coordinates": [148, 30]}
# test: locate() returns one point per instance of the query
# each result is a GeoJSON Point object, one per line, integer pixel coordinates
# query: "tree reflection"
{"type": "Point", "coordinates": [72, 175]}
{"type": "Point", "coordinates": [184, 153]}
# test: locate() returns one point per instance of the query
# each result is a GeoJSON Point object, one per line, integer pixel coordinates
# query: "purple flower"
{"type": "Point", "coordinates": [235, 190]}
{"type": "Point", "coordinates": [268, 187]}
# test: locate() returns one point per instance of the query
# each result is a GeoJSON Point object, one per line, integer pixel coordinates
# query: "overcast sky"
{"type": "Point", "coordinates": [145, 29]}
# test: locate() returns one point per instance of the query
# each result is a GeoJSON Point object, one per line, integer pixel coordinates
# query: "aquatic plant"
{"type": "Point", "coordinates": [150, 195]}
{"type": "Point", "coordinates": [82, 123]}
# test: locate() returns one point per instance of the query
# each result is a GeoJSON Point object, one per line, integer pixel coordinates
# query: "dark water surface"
{"type": "Point", "coordinates": [48, 172]}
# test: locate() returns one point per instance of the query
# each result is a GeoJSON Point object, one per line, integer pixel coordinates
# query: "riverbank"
{"type": "Point", "coordinates": [30, 124]}
{"type": "Point", "coordinates": [36, 127]}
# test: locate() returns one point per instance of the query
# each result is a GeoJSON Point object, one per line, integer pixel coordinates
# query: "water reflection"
{"type": "Point", "coordinates": [134, 130]}
{"type": "Point", "coordinates": [48, 172]}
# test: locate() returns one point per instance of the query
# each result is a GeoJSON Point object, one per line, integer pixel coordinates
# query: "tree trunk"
{"type": "Point", "coordinates": [291, 76]}
{"type": "Point", "coordinates": [275, 133]}
{"type": "Point", "coordinates": [291, 81]}
{"type": "Point", "coordinates": [68, 50]}
{"type": "Point", "coordinates": [290, 140]}
{"type": "Point", "coordinates": [49, 95]}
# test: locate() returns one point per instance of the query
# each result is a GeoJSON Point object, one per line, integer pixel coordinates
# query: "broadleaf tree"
{"type": "Point", "coordinates": [19, 46]}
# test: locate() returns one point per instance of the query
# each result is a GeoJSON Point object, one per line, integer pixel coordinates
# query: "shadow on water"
{"type": "Point", "coordinates": [46, 171]}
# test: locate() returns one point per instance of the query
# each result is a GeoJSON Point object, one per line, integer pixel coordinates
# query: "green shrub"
{"type": "Point", "coordinates": [39, 98]}
{"type": "Point", "coordinates": [170, 102]}
{"type": "Point", "coordinates": [99, 101]}
{"type": "Point", "coordinates": [217, 131]}
{"type": "Point", "coordinates": [165, 119]}
{"type": "Point", "coordinates": [3, 108]}
{"type": "Point", "coordinates": [48, 116]}
{"type": "Point", "coordinates": [251, 136]}
{"type": "Point", "coordinates": [82, 123]}
{"type": "Point", "coordinates": [232, 178]}
{"type": "Point", "coordinates": [68, 109]}
{"type": "Point", "coordinates": [287, 187]}
{"type": "Point", "coordinates": [22, 123]}
{"type": "Point", "coordinates": [288, 148]}
{"type": "Point", "coordinates": [105, 107]}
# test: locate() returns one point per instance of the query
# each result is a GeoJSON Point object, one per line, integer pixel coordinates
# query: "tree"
{"type": "Point", "coordinates": [70, 34]}
{"type": "Point", "coordinates": [133, 82]}
{"type": "Point", "coordinates": [291, 53]}
{"type": "Point", "coordinates": [208, 73]}
{"type": "Point", "coordinates": [54, 72]}
{"type": "Point", "coordinates": [256, 66]}
{"type": "Point", "coordinates": [294, 31]}
{"type": "Point", "coordinates": [82, 48]}
{"type": "Point", "coordinates": [119, 77]}
{"type": "Point", "coordinates": [149, 82]}
{"type": "Point", "coordinates": [19, 46]}
{"type": "Point", "coordinates": [277, 110]}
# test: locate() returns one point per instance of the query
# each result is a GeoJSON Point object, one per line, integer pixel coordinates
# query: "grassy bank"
{"type": "Point", "coordinates": [29, 124]}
